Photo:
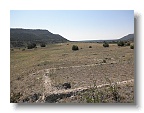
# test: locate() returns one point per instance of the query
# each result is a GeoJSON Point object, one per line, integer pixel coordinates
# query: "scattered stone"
{"type": "Point", "coordinates": [63, 86]}
{"type": "Point", "coordinates": [46, 74]}
{"type": "Point", "coordinates": [35, 97]}
{"type": "Point", "coordinates": [104, 61]}
{"type": "Point", "coordinates": [55, 97]}
{"type": "Point", "coordinates": [15, 97]}
{"type": "Point", "coordinates": [66, 85]}
{"type": "Point", "coordinates": [59, 87]}
{"type": "Point", "coordinates": [108, 58]}
{"type": "Point", "coordinates": [26, 100]}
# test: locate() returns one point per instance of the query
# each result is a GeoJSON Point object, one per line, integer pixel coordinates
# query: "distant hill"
{"type": "Point", "coordinates": [22, 37]}
{"type": "Point", "coordinates": [129, 37]}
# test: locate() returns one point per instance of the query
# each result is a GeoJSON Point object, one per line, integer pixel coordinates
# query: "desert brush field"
{"type": "Point", "coordinates": [57, 74]}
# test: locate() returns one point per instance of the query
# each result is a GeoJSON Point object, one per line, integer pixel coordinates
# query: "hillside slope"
{"type": "Point", "coordinates": [129, 37]}
{"type": "Point", "coordinates": [21, 37]}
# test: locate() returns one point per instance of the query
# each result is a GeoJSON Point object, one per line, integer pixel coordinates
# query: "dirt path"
{"type": "Point", "coordinates": [113, 62]}
{"type": "Point", "coordinates": [55, 95]}
{"type": "Point", "coordinates": [63, 91]}
{"type": "Point", "coordinates": [47, 82]}
{"type": "Point", "coordinates": [49, 89]}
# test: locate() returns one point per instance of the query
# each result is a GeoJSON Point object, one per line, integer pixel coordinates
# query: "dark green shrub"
{"type": "Point", "coordinates": [43, 45]}
{"type": "Point", "coordinates": [23, 49]}
{"type": "Point", "coordinates": [34, 45]}
{"type": "Point", "coordinates": [127, 44]}
{"type": "Point", "coordinates": [105, 44]}
{"type": "Point", "coordinates": [120, 43]}
{"type": "Point", "coordinates": [31, 46]}
{"type": "Point", "coordinates": [90, 46]}
{"type": "Point", "coordinates": [75, 47]}
{"type": "Point", "coordinates": [132, 46]}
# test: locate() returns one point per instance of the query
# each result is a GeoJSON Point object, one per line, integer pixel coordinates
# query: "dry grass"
{"type": "Point", "coordinates": [116, 63]}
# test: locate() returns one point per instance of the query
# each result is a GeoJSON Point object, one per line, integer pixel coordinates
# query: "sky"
{"type": "Point", "coordinates": [76, 25]}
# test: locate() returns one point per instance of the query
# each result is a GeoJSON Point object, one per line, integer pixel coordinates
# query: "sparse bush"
{"type": "Point", "coordinates": [114, 91]}
{"type": "Point", "coordinates": [43, 45]}
{"type": "Point", "coordinates": [15, 97]}
{"type": "Point", "coordinates": [75, 47]}
{"type": "Point", "coordinates": [120, 43]}
{"type": "Point", "coordinates": [34, 45]}
{"type": "Point", "coordinates": [94, 95]}
{"type": "Point", "coordinates": [23, 49]}
{"type": "Point", "coordinates": [90, 46]}
{"type": "Point", "coordinates": [132, 46]}
{"type": "Point", "coordinates": [99, 95]}
{"type": "Point", "coordinates": [127, 44]}
{"type": "Point", "coordinates": [105, 44]}
{"type": "Point", "coordinates": [31, 46]}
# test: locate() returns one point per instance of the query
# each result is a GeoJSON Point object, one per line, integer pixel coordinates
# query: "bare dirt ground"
{"type": "Point", "coordinates": [37, 75]}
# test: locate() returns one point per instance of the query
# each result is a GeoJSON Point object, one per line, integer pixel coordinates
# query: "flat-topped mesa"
{"type": "Point", "coordinates": [20, 37]}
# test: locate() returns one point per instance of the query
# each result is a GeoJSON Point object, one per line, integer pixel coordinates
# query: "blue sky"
{"type": "Point", "coordinates": [77, 24]}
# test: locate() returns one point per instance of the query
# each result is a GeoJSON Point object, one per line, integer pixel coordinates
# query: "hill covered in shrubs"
{"type": "Point", "coordinates": [22, 37]}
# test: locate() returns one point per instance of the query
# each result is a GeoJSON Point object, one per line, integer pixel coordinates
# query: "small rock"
{"type": "Point", "coordinates": [35, 97]}
{"type": "Point", "coordinates": [67, 85]}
